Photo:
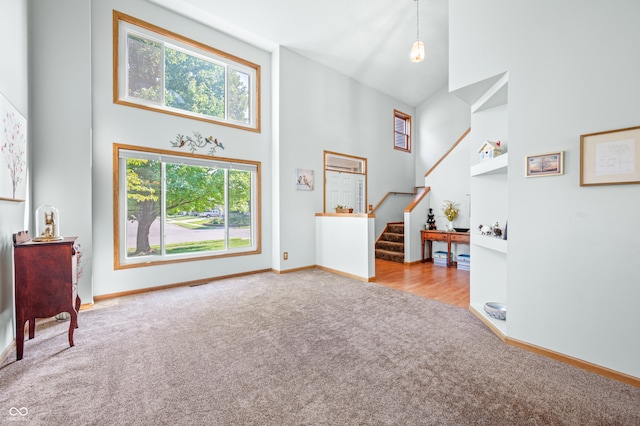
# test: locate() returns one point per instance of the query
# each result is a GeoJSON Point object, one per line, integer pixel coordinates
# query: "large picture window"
{"type": "Point", "coordinates": [163, 71]}
{"type": "Point", "coordinates": [173, 207]}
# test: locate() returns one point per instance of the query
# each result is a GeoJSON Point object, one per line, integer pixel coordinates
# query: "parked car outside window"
{"type": "Point", "coordinates": [210, 213]}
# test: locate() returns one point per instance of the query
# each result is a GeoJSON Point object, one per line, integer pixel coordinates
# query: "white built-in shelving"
{"type": "Point", "coordinates": [489, 204]}
{"type": "Point", "coordinates": [496, 165]}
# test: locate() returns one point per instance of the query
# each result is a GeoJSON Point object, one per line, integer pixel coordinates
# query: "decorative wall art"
{"type": "Point", "coordinates": [610, 158]}
{"type": "Point", "coordinates": [13, 152]}
{"type": "Point", "coordinates": [304, 180]}
{"type": "Point", "coordinates": [550, 164]}
{"type": "Point", "coordinates": [196, 143]}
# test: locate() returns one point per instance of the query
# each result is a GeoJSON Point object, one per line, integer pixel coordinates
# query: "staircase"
{"type": "Point", "coordinates": [390, 245]}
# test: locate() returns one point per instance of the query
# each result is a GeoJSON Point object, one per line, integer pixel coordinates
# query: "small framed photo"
{"type": "Point", "coordinates": [550, 164]}
{"type": "Point", "coordinates": [304, 180]}
{"type": "Point", "coordinates": [610, 158]}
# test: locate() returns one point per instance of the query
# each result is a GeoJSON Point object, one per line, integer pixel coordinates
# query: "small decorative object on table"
{"type": "Point", "coordinates": [431, 222]}
{"type": "Point", "coordinates": [450, 210]}
{"type": "Point", "coordinates": [496, 310]}
{"type": "Point", "coordinates": [47, 224]}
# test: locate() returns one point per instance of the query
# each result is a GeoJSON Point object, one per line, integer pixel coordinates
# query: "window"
{"type": "Point", "coordinates": [402, 131]}
{"type": "Point", "coordinates": [174, 207]}
{"type": "Point", "coordinates": [345, 182]}
{"type": "Point", "coordinates": [162, 71]}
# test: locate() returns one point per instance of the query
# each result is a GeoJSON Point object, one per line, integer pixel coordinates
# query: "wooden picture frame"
{"type": "Point", "coordinates": [549, 164]}
{"type": "Point", "coordinates": [610, 158]}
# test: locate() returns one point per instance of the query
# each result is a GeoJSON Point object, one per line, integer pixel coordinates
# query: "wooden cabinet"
{"type": "Point", "coordinates": [45, 284]}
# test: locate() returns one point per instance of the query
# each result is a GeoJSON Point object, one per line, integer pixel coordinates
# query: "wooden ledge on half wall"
{"type": "Point", "coordinates": [365, 215]}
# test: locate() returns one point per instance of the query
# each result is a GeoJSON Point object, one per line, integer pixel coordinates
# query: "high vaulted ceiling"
{"type": "Point", "coordinates": [367, 40]}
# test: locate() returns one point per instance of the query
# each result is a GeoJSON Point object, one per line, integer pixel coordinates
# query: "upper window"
{"type": "Point", "coordinates": [173, 207]}
{"type": "Point", "coordinates": [165, 72]}
{"type": "Point", "coordinates": [401, 131]}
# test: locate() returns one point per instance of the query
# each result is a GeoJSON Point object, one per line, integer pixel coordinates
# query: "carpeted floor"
{"type": "Point", "coordinates": [305, 348]}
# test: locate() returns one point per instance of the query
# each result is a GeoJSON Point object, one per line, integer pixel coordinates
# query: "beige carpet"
{"type": "Point", "coordinates": [306, 348]}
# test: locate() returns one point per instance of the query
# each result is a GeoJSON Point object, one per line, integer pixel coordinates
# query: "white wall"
{"type": "Point", "coordinates": [572, 287]}
{"type": "Point", "coordinates": [321, 109]}
{"type": "Point", "coordinates": [60, 43]}
{"type": "Point", "coordinates": [439, 123]}
{"type": "Point", "coordinates": [14, 86]}
{"type": "Point", "coordinates": [121, 124]}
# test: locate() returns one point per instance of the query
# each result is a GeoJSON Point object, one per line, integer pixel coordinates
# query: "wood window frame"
{"type": "Point", "coordinates": [405, 134]}
{"type": "Point", "coordinates": [120, 215]}
{"type": "Point", "coordinates": [254, 108]}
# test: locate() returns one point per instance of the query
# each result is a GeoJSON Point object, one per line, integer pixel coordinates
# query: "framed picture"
{"type": "Point", "coordinates": [13, 152]}
{"type": "Point", "coordinates": [304, 180]}
{"type": "Point", "coordinates": [610, 158]}
{"type": "Point", "coordinates": [550, 164]}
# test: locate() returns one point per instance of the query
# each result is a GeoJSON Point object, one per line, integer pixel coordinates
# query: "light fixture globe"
{"type": "Point", "coordinates": [417, 51]}
{"type": "Point", "coordinates": [417, 48]}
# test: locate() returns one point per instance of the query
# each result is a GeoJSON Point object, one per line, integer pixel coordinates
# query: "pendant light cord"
{"type": "Point", "coordinates": [417, 20]}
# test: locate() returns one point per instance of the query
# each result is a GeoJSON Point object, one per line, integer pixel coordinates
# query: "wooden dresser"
{"type": "Point", "coordinates": [46, 283]}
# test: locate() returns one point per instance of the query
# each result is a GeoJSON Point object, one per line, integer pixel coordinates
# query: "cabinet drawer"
{"type": "Point", "coordinates": [436, 236]}
{"type": "Point", "coordinates": [463, 239]}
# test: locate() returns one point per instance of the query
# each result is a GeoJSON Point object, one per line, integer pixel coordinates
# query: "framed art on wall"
{"type": "Point", "coordinates": [304, 180]}
{"type": "Point", "coordinates": [610, 158]}
{"type": "Point", "coordinates": [549, 164]}
{"type": "Point", "coordinates": [13, 152]}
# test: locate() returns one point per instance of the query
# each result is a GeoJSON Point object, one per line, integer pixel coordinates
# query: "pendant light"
{"type": "Point", "coordinates": [417, 49]}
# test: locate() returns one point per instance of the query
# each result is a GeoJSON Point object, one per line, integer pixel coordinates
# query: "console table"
{"type": "Point", "coordinates": [46, 283]}
{"type": "Point", "coordinates": [443, 236]}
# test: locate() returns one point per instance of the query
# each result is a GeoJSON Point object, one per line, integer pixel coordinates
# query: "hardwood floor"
{"type": "Point", "coordinates": [448, 285]}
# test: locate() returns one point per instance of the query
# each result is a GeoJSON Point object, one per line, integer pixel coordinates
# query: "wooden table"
{"type": "Point", "coordinates": [443, 236]}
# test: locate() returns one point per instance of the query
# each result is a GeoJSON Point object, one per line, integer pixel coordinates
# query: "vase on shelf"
{"type": "Point", "coordinates": [450, 226]}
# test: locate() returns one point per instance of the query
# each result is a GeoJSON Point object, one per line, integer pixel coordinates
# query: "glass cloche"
{"type": "Point", "coordinates": [47, 224]}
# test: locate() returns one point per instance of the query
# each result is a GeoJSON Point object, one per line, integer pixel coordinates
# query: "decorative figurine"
{"type": "Point", "coordinates": [497, 231]}
{"type": "Point", "coordinates": [431, 222]}
{"type": "Point", "coordinates": [47, 224]}
{"type": "Point", "coordinates": [485, 229]}
{"type": "Point", "coordinates": [490, 150]}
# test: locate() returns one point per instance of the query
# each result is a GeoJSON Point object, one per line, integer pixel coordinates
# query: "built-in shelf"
{"type": "Point", "coordinates": [490, 242]}
{"type": "Point", "coordinates": [489, 193]}
{"type": "Point", "coordinates": [499, 327]}
{"type": "Point", "coordinates": [496, 165]}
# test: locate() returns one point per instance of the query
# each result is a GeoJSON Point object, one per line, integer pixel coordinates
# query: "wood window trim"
{"type": "Point", "coordinates": [408, 130]}
{"type": "Point", "coordinates": [119, 263]}
{"type": "Point", "coordinates": [119, 16]}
